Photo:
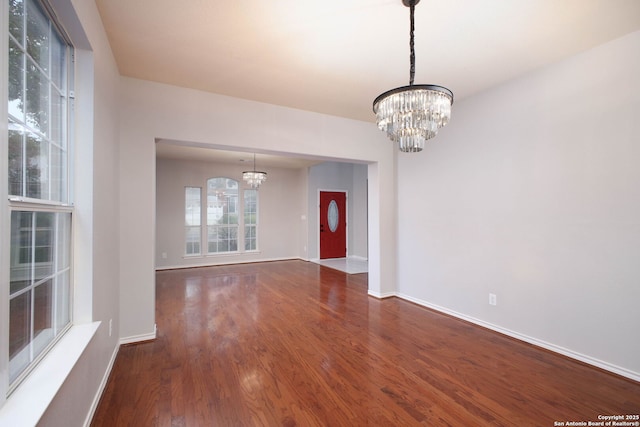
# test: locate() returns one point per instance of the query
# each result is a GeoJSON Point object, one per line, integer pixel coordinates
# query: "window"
{"type": "Point", "coordinates": [38, 176]}
{"type": "Point", "coordinates": [39, 306]}
{"type": "Point", "coordinates": [250, 220]}
{"type": "Point", "coordinates": [192, 215]}
{"type": "Point", "coordinates": [222, 215]}
{"type": "Point", "coordinates": [230, 226]}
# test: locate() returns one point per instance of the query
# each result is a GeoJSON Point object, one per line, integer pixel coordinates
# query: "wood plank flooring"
{"type": "Point", "coordinates": [293, 343]}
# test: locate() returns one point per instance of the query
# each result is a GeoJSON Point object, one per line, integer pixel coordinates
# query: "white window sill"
{"type": "Point", "coordinates": [30, 400]}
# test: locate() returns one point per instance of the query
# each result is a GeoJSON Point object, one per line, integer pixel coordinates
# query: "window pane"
{"type": "Point", "coordinates": [16, 170]}
{"type": "Point", "coordinates": [222, 238]}
{"type": "Point", "coordinates": [37, 35]}
{"type": "Point", "coordinates": [250, 206]}
{"type": "Point", "coordinates": [58, 61]}
{"type": "Point", "coordinates": [37, 168]}
{"type": "Point", "coordinates": [44, 245]}
{"type": "Point", "coordinates": [58, 174]}
{"type": "Point", "coordinates": [250, 237]}
{"type": "Point", "coordinates": [40, 283]}
{"type": "Point", "coordinates": [58, 117]}
{"type": "Point", "coordinates": [42, 316]}
{"type": "Point", "coordinates": [21, 251]}
{"type": "Point", "coordinates": [37, 99]}
{"type": "Point", "coordinates": [192, 206]}
{"type": "Point", "coordinates": [63, 243]}
{"type": "Point", "coordinates": [16, 81]}
{"type": "Point", "coordinates": [231, 235]}
{"type": "Point", "coordinates": [16, 19]}
{"type": "Point", "coordinates": [63, 299]}
{"type": "Point", "coordinates": [222, 217]}
{"type": "Point", "coordinates": [250, 219]}
{"type": "Point", "coordinates": [192, 240]}
{"type": "Point", "coordinates": [231, 218]}
{"type": "Point", "coordinates": [212, 239]}
{"type": "Point", "coordinates": [37, 106]}
{"type": "Point", "coordinates": [222, 201]}
{"type": "Point", "coordinates": [193, 212]}
{"type": "Point", "coordinates": [19, 333]}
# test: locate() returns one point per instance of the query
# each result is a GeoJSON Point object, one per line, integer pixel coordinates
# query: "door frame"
{"type": "Point", "coordinates": [346, 218]}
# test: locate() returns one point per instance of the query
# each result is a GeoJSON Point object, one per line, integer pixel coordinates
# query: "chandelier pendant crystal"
{"type": "Point", "coordinates": [410, 115]}
{"type": "Point", "coordinates": [253, 177]}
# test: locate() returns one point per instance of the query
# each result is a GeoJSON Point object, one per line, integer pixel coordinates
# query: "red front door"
{"type": "Point", "coordinates": [333, 224]}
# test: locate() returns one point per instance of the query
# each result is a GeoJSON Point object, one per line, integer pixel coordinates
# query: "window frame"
{"type": "Point", "coordinates": [240, 226]}
{"type": "Point", "coordinates": [62, 205]}
{"type": "Point", "coordinates": [192, 226]}
{"type": "Point", "coordinates": [67, 270]}
{"type": "Point", "coordinates": [229, 208]}
{"type": "Point", "coordinates": [254, 224]}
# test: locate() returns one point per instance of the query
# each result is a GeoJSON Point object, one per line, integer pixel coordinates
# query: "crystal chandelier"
{"type": "Point", "coordinates": [254, 178]}
{"type": "Point", "coordinates": [413, 114]}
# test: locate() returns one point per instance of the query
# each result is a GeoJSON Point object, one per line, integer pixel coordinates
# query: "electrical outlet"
{"type": "Point", "coordinates": [110, 326]}
{"type": "Point", "coordinates": [493, 300]}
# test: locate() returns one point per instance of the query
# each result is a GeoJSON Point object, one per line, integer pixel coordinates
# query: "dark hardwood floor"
{"type": "Point", "coordinates": [293, 343]}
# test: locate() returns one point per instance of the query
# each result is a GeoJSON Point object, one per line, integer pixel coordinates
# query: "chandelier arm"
{"type": "Point", "coordinates": [412, 55]}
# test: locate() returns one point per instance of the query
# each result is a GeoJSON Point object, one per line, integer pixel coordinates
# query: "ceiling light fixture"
{"type": "Point", "coordinates": [254, 178]}
{"type": "Point", "coordinates": [413, 114]}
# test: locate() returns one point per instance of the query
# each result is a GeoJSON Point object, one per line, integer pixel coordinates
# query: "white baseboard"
{"type": "Point", "coordinates": [381, 296]}
{"type": "Point", "coordinates": [353, 257]}
{"type": "Point", "coordinates": [139, 338]}
{"type": "Point", "coordinates": [103, 384]}
{"type": "Point", "coordinates": [225, 262]}
{"type": "Point", "coordinates": [531, 340]}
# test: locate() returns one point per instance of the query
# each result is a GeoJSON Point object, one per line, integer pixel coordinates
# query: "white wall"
{"type": "Point", "coordinates": [358, 228]}
{"type": "Point", "coordinates": [97, 211]}
{"type": "Point", "coordinates": [335, 176]}
{"type": "Point", "coordinates": [533, 193]}
{"type": "Point", "coordinates": [279, 211]}
{"type": "Point", "coordinates": [150, 111]}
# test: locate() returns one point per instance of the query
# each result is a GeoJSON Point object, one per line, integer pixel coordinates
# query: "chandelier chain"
{"type": "Point", "coordinates": [412, 55]}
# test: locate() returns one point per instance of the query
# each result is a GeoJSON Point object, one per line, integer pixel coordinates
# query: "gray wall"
{"type": "Point", "coordinates": [288, 204]}
{"type": "Point", "coordinates": [336, 176]}
{"type": "Point", "coordinates": [281, 201]}
{"type": "Point", "coordinates": [149, 111]}
{"type": "Point", "coordinates": [530, 193]}
{"type": "Point", "coordinates": [97, 216]}
{"type": "Point", "coordinates": [533, 193]}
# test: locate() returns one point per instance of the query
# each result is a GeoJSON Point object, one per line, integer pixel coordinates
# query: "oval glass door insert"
{"type": "Point", "coordinates": [332, 216]}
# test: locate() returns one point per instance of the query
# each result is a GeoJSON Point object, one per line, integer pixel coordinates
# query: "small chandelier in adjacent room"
{"type": "Point", "coordinates": [254, 178]}
{"type": "Point", "coordinates": [413, 114]}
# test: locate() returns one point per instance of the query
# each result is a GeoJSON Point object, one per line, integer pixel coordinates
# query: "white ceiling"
{"type": "Point", "coordinates": [336, 56]}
